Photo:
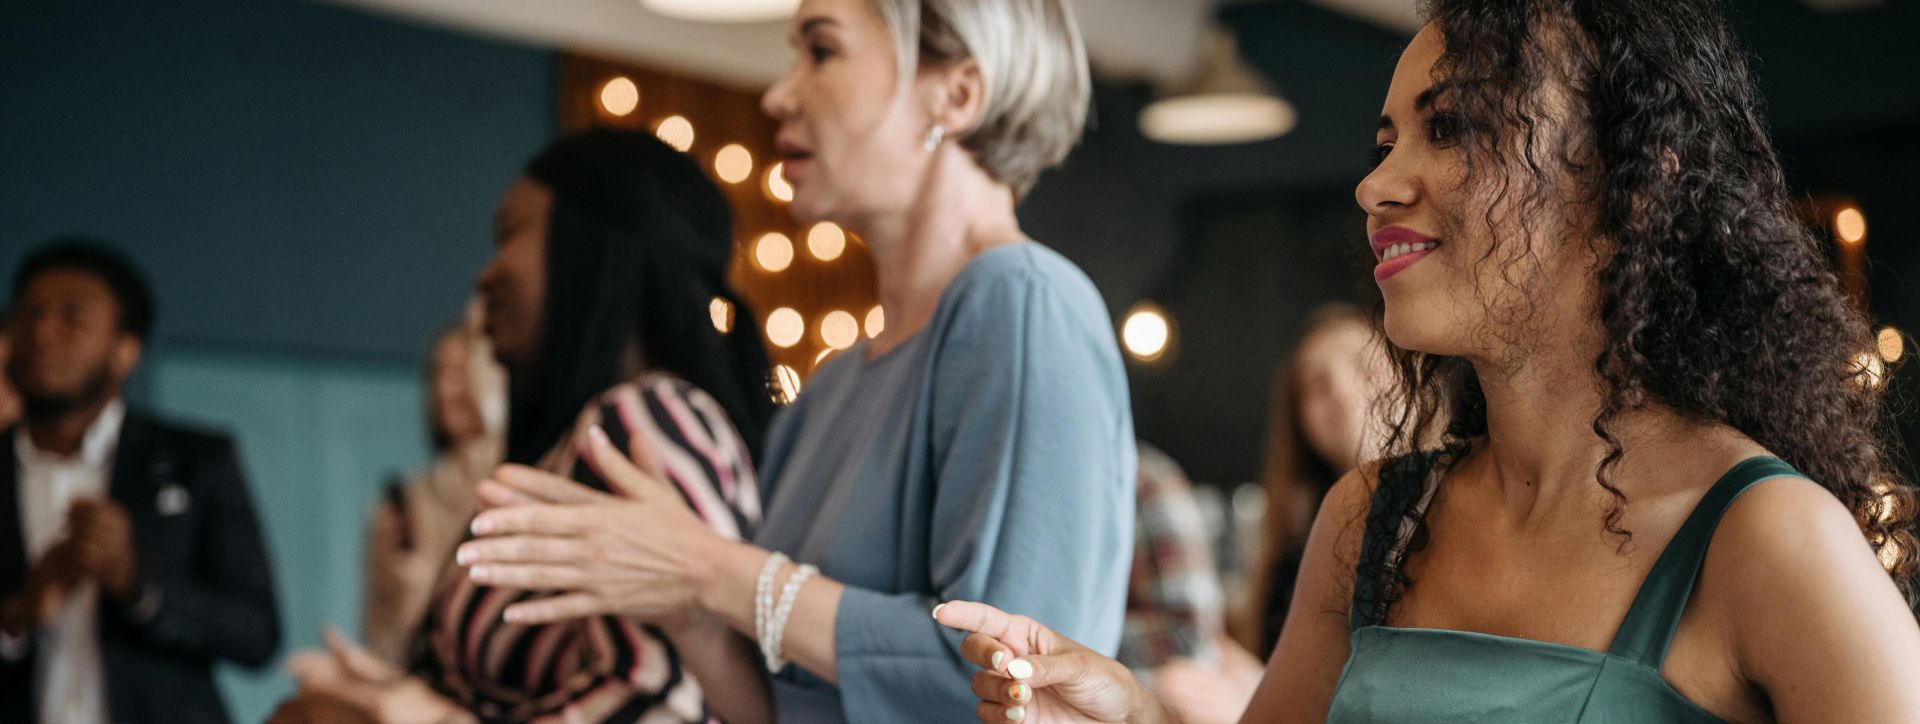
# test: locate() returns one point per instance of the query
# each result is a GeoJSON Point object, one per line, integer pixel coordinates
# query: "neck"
{"type": "Point", "coordinates": [64, 432]}
{"type": "Point", "coordinates": [958, 213]}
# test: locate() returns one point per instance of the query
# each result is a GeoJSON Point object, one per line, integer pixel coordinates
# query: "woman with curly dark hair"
{"type": "Point", "coordinates": [1627, 348]}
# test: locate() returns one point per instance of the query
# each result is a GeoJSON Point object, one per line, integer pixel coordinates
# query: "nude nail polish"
{"type": "Point", "coordinates": [1017, 713]}
{"type": "Point", "coordinates": [999, 657]}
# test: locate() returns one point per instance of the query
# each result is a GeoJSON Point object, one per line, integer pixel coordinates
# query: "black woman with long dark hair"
{"type": "Point", "coordinates": [610, 249]}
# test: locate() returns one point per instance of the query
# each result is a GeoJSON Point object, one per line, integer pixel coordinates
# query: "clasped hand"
{"type": "Point", "coordinates": [638, 554]}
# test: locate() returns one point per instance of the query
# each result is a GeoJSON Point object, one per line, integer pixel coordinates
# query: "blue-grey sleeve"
{"type": "Point", "coordinates": [1033, 455]}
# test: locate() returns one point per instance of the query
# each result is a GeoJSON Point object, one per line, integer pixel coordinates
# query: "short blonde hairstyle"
{"type": "Point", "coordinates": [1033, 63]}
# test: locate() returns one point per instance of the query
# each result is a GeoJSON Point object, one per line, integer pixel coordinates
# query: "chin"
{"type": "Point", "coordinates": [1416, 327]}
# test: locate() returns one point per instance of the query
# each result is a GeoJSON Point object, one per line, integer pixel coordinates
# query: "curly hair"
{"type": "Point", "coordinates": [1716, 300]}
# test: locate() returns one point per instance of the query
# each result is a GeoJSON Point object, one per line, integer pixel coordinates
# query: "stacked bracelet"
{"type": "Point", "coordinates": [763, 598]}
{"type": "Point", "coordinates": [776, 631]}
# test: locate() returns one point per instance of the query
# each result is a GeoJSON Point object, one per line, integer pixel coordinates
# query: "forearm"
{"type": "Point", "coordinates": [725, 662]}
{"type": "Point", "coordinates": [727, 592]}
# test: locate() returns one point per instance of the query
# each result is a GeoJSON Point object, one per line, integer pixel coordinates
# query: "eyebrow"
{"type": "Point", "coordinates": [1422, 102]}
{"type": "Point", "coordinates": [808, 25]}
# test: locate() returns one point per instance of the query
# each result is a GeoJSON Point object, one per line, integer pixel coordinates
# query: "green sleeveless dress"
{"type": "Point", "coordinates": [1424, 675]}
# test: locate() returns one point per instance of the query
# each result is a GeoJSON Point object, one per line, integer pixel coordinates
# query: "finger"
{"type": "Point", "coordinates": [310, 666]}
{"type": "Point", "coordinates": [526, 576]}
{"type": "Point", "coordinates": [545, 487]}
{"type": "Point", "coordinates": [494, 494]}
{"type": "Point", "coordinates": [355, 660]}
{"type": "Point", "coordinates": [991, 687]}
{"type": "Point", "coordinates": [564, 607]}
{"type": "Point", "coordinates": [986, 652]}
{"type": "Point", "coordinates": [521, 549]}
{"type": "Point", "coordinates": [543, 519]}
{"type": "Point", "coordinates": [1041, 672]}
{"type": "Point", "coordinates": [617, 469]}
{"type": "Point", "coordinates": [999, 713]}
{"type": "Point", "coordinates": [975, 617]}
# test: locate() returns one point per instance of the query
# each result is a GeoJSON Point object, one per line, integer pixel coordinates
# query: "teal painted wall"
{"type": "Point", "coordinates": [311, 190]}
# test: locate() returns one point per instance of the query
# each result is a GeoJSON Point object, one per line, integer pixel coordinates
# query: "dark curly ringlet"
{"type": "Point", "coordinates": [1717, 301]}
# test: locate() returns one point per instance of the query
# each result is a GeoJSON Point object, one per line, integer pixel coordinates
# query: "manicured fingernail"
{"type": "Point", "coordinates": [478, 574]}
{"type": "Point", "coordinates": [599, 436]}
{"type": "Point", "coordinates": [1020, 669]}
{"type": "Point", "coordinates": [999, 657]}
{"type": "Point", "coordinates": [481, 526]}
{"type": "Point", "coordinates": [1016, 713]}
{"type": "Point", "coordinates": [936, 611]}
{"type": "Point", "coordinates": [462, 556]}
{"type": "Point", "coordinates": [1018, 693]}
{"type": "Point", "coordinates": [512, 615]}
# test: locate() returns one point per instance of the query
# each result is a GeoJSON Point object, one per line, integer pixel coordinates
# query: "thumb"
{"type": "Point", "coordinates": [356, 661]}
{"type": "Point", "coordinates": [636, 477]}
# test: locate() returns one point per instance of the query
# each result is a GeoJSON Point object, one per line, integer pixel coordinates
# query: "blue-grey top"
{"type": "Point", "coordinates": [990, 457]}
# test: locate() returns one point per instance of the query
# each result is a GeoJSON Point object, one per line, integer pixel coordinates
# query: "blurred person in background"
{"type": "Point", "coordinates": [981, 446]}
{"type": "Point", "coordinates": [416, 525]}
{"type": "Point", "coordinates": [1175, 638]}
{"type": "Point", "coordinates": [9, 398]}
{"type": "Point", "coordinates": [131, 559]}
{"type": "Point", "coordinates": [1321, 424]}
{"type": "Point", "coordinates": [1642, 474]}
{"type": "Point", "coordinates": [609, 250]}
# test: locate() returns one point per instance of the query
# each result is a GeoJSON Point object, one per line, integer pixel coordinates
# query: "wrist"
{"type": "Point", "coordinates": [1146, 708]}
{"type": "Point", "coordinates": [725, 583]}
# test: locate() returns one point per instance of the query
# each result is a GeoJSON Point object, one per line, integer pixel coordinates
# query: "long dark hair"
{"type": "Point", "coordinates": [637, 249]}
{"type": "Point", "coordinates": [1291, 473]}
{"type": "Point", "coordinates": [1716, 300]}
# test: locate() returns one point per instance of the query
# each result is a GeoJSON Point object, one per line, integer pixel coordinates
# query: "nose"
{"type": "Point", "coordinates": [1388, 189]}
{"type": "Point", "coordinates": [777, 102]}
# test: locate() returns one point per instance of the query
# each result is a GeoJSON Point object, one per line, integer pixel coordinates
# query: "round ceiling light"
{"type": "Point", "coordinates": [723, 11]}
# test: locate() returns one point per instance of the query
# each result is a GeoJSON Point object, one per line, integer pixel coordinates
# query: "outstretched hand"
{"type": "Point", "coordinates": [638, 554]}
{"type": "Point", "coordinates": [1033, 674]}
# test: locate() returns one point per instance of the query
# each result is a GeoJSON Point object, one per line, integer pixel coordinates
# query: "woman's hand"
{"type": "Point", "coordinates": [348, 683]}
{"type": "Point", "coordinates": [642, 556]}
{"type": "Point", "coordinates": [1033, 674]}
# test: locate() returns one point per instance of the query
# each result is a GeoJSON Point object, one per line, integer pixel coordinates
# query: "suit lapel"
{"type": "Point", "coordinates": [130, 479]}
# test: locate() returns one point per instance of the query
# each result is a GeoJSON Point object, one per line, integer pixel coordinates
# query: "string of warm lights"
{"type": "Point", "coordinates": [814, 311]}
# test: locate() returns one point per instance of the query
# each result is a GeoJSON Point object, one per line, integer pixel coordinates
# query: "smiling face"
{"type": "Point", "coordinates": [1469, 263]}
{"type": "Point", "coordinates": [852, 141]}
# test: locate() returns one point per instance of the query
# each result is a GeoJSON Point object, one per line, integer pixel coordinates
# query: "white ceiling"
{"type": "Point", "coordinates": [1132, 39]}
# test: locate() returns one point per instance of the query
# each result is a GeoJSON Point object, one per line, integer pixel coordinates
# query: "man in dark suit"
{"type": "Point", "coordinates": [130, 556]}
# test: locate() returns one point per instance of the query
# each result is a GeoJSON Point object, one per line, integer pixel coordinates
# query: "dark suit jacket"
{"type": "Point", "coordinates": [205, 591]}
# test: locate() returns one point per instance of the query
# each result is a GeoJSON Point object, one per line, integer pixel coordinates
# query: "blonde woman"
{"type": "Point", "coordinates": [981, 447]}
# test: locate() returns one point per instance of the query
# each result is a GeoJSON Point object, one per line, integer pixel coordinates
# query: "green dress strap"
{"type": "Point", "coordinates": [1648, 628]}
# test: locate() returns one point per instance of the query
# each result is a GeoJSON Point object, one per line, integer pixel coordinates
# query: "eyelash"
{"type": "Point", "coordinates": [1442, 129]}
{"type": "Point", "coordinates": [818, 52]}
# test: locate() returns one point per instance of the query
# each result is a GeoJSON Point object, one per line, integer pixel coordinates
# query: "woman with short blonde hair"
{"type": "Point", "coordinates": [980, 447]}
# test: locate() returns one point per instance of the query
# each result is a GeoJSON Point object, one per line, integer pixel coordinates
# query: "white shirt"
{"type": "Point", "coordinates": [68, 676]}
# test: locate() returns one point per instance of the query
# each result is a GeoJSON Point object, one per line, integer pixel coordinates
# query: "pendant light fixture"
{"type": "Point", "coordinates": [1224, 101]}
{"type": "Point", "coordinates": [723, 11]}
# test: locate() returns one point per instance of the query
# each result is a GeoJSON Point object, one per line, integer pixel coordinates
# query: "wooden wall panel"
{"type": "Point", "coordinates": [720, 116]}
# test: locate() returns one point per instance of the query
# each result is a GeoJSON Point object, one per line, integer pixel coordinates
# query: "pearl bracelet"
{"type": "Point", "coordinates": [777, 625]}
{"type": "Point", "coordinates": [763, 598]}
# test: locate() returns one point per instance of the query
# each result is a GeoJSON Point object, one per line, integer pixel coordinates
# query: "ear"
{"type": "Point", "coordinates": [126, 356]}
{"type": "Point", "coordinates": [958, 95]}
